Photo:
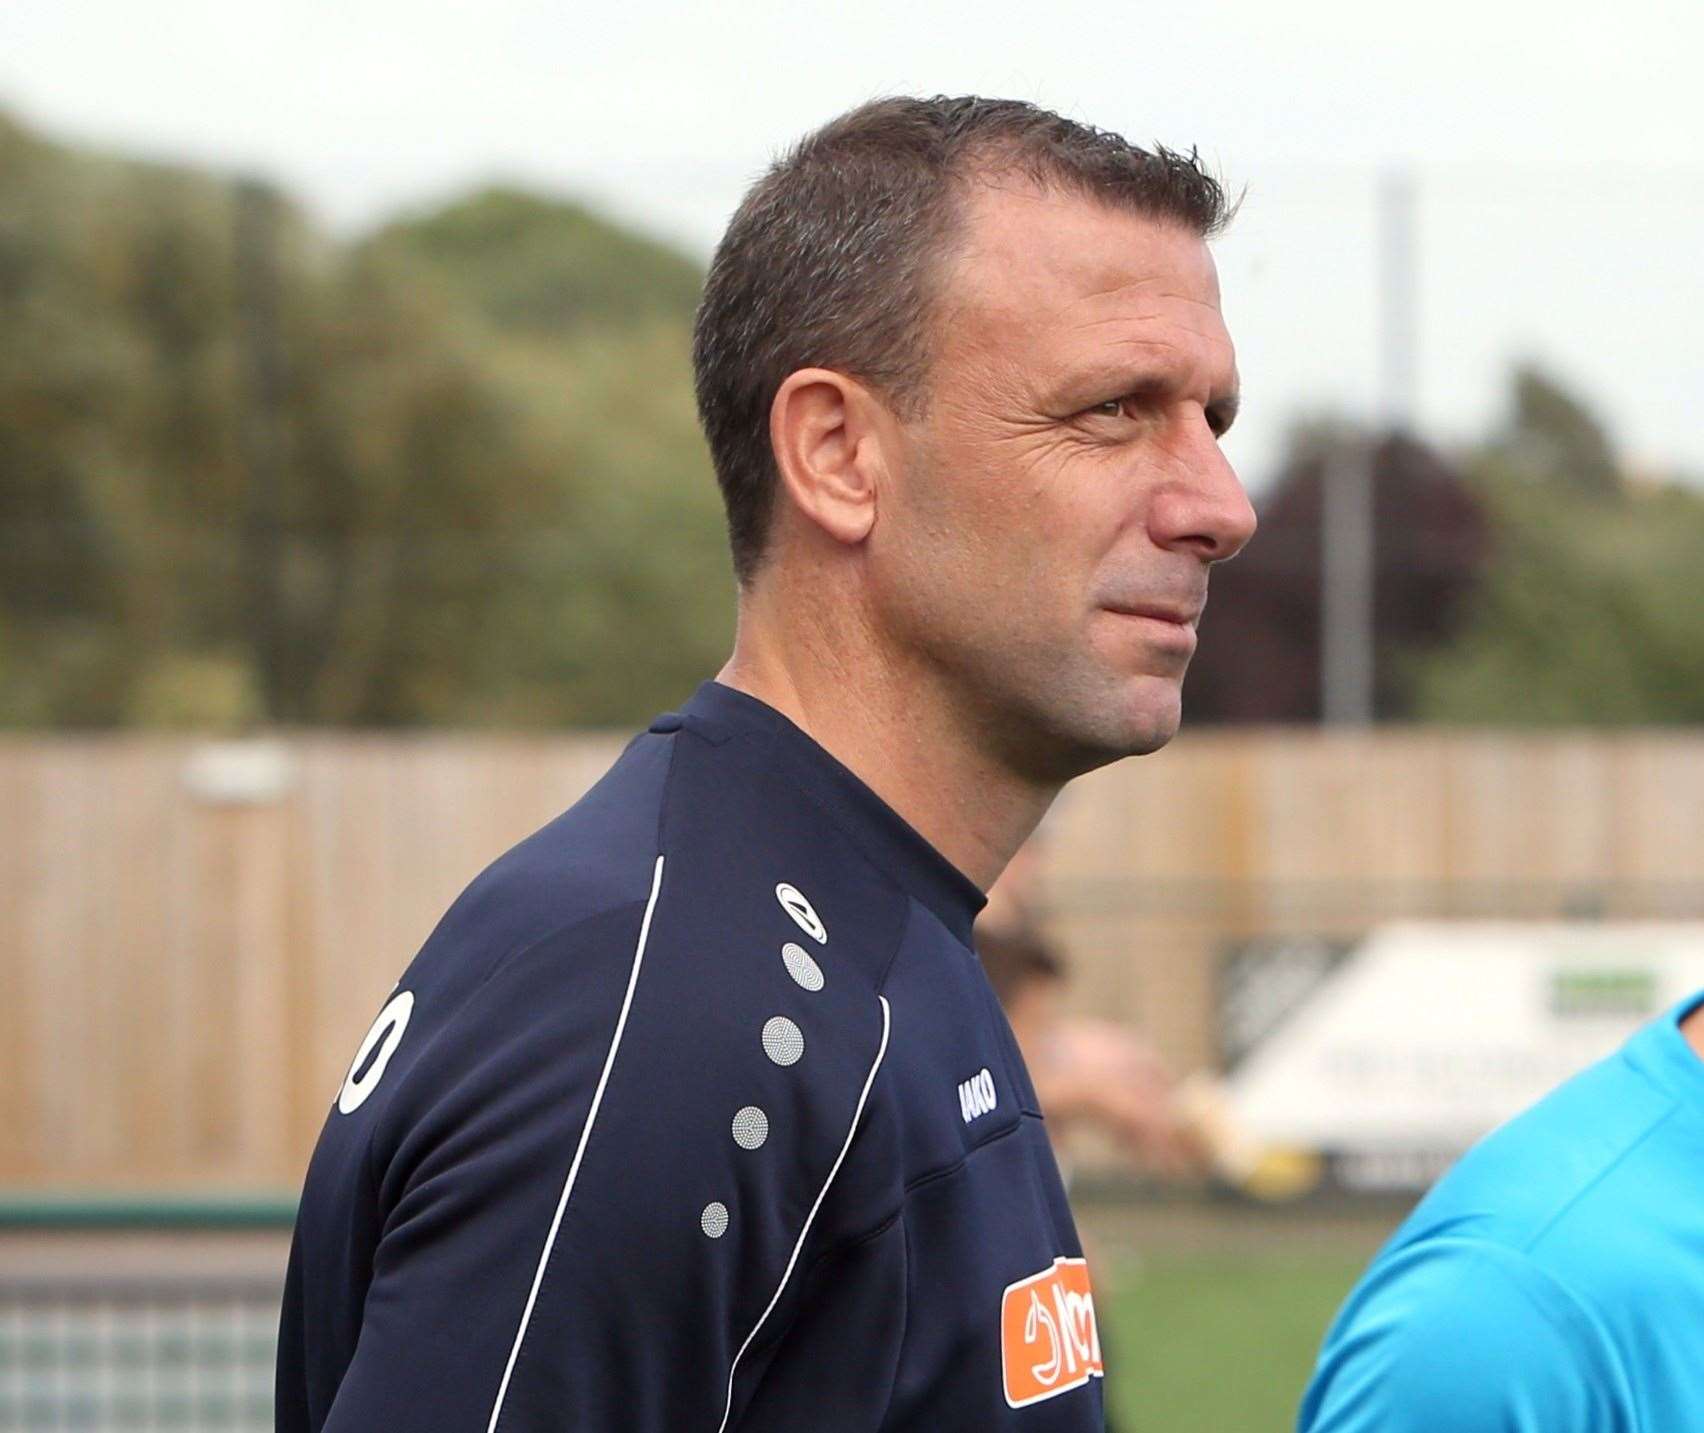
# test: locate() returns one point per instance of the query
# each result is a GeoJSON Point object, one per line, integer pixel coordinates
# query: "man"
{"type": "Point", "coordinates": [663, 1129]}
{"type": "Point", "coordinates": [1553, 1281]}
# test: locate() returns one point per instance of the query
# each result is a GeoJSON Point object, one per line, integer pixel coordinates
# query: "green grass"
{"type": "Point", "coordinates": [1216, 1343]}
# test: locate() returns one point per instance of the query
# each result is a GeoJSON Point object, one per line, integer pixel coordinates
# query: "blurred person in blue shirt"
{"type": "Point", "coordinates": [1553, 1281]}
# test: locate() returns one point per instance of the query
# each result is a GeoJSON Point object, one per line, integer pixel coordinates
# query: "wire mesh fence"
{"type": "Point", "coordinates": [191, 1354]}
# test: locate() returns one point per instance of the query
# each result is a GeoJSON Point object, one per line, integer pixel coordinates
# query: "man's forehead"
{"type": "Point", "coordinates": [1045, 258]}
{"type": "Point", "coordinates": [1064, 287]}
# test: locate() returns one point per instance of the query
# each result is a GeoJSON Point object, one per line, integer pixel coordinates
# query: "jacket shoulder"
{"type": "Point", "coordinates": [594, 857]}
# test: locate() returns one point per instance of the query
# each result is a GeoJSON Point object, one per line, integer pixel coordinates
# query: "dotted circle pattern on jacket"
{"type": "Point", "coordinates": [751, 1128]}
{"type": "Point", "coordinates": [806, 973]}
{"type": "Point", "coordinates": [783, 1041]}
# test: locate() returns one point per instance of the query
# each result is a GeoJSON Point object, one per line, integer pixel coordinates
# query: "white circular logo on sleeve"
{"type": "Point", "coordinates": [783, 1041]}
{"type": "Point", "coordinates": [802, 911]}
{"type": "Point", "coordinates": [386, 1033]}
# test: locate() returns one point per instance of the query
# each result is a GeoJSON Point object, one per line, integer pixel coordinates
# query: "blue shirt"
{"type": "Point", "coordinates": [1553, 1281]}
{"type": "Point", "coordinates": [695, 1112]}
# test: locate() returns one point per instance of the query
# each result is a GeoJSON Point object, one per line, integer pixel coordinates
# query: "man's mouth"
{"type": "Point", "coordinates": [1161, 627]}
{"type": "Point", "coordinates": [1177, 614]}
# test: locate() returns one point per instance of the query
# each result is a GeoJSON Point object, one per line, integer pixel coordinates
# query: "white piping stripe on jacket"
{"type": "Point", "coordinates": [810, 1218]}
{"type": "Point", "coordinates": [579, 1153]}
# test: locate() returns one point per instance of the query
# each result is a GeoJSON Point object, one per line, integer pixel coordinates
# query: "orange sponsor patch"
{"type": "Point", "coordinates": [1049, 1340]}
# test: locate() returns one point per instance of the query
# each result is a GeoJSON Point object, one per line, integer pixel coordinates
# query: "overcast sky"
{"type": "Point", "coordinates": [1557, 148]}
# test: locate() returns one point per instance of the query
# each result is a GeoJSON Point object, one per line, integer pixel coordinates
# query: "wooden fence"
{"type": "Point", "coordinates": [193, 938]}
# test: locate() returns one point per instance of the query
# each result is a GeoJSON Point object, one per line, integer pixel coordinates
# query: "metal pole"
{"type": "Point", "coordinates": [1398, 290]}
{"type": "Point", "coordinates": [1346, 585]}
{"type": "Point", "coordinates": [1348, 575]}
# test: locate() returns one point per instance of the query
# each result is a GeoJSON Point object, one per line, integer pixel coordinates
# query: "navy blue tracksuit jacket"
{"type": "Point", "coordinates": [695, 1113]}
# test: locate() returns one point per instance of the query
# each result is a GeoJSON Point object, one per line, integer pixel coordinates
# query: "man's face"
{"type": "Point", "coordinates": [1043, 548]}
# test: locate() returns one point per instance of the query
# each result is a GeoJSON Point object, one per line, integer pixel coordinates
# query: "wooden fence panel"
{"type": "Point", "coordinates": [187, 962]}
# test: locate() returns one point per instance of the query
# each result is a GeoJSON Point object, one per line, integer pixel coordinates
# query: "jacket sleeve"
{"type": "Point", "coordinates": [1469, 1336]}
{"type": "Point", "coordinates": [596, 1186]}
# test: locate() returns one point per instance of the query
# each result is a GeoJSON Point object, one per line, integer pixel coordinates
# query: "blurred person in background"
{"type": "Point", "coordinates": [696, 1111]}
{"type": "Point", "coordinates": [1553, 1281]}
{"type": "Point", "coordinates": [1106, 1074]}
{"type": "Point", "coordinates": [1097, 1073]}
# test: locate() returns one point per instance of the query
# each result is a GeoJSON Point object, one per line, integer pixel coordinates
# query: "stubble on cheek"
{"type": "Point", "coordinates": [998, 558]}
{"type": "Point", "coordinates": [1127, 700]}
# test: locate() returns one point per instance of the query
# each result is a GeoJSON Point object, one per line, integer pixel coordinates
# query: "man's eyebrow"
{"type": "Point", "coordinates": [1118, 379]}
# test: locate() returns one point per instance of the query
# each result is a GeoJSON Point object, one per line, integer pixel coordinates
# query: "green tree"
{"type": "Point", "coordinates": [621, 595]}
{"type": "Point", "coordinates": [547, 268]}
{"type": "Point", "coordinates": [1551, 438]}
{"type": "Point", "coordinates": [447, 474]}
{"type": "Point", "coordinates": [1591, 611]}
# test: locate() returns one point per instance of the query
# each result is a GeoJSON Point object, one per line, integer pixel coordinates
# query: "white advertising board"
{"type": "Point", "coordinates": [1429, 1035]}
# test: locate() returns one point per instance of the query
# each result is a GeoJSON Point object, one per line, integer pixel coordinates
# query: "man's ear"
{"type": "Point", "coordinates": [827, 435]}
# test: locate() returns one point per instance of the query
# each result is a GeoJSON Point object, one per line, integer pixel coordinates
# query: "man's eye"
{"type": "Point", "coordinates": [1112, 408]}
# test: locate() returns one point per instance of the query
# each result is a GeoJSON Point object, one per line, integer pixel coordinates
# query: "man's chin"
{"type": "Point", "coordinates": [1152, 713]}
{"type": "Point", "coordinates": [1150, 735]}
{"type": "Point", "coordinates": [1136, 723]}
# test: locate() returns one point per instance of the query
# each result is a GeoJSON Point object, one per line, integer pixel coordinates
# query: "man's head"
{"type": "Point", "coordinates": [961, 365]}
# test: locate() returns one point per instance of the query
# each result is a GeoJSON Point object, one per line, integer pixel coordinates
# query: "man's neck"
{"type": "Point", "coordinates": [896, 735]}
{"type": "Point", "coordinates": [1693, 1028]}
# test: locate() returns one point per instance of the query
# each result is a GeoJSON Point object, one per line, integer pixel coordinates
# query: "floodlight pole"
{"type": "Point", "coordinates": [1398, 299]}
{"type": "Point", "coordinates": [1348, 576]}
{"type": "Point", "coordinates": [1346, 584]}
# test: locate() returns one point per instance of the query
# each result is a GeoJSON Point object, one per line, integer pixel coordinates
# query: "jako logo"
{"type": "Point", "coordinates": [976, 1095]}
{"type": "Point", "coordinates": [802, 911]}
{"type": "Point", "coordinates": [1049, 1340]}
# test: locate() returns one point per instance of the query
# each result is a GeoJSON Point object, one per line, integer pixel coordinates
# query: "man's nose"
{"type": "Point", "coordinates": [1203, 508]}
